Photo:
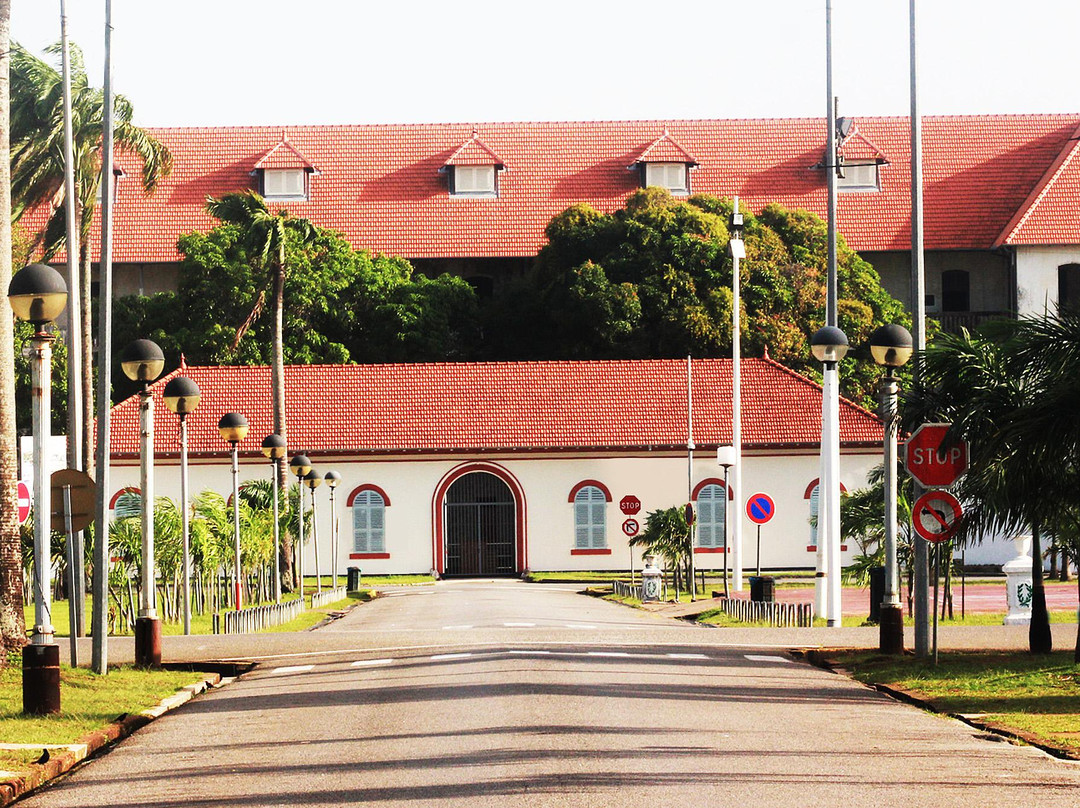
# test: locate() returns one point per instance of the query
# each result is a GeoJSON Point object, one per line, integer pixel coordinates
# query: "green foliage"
{"type": "Point", "coordinates": [654, 280]}
{"type": "Point", "coordinates": [667, 535]}
{"type": "Point", "coordinates": [23, 393]}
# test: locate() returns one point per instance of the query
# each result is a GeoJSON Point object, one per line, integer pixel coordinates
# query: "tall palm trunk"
{"type": "Point", "coordinates": [1040, 640]}
{"type": "Point", "coordinates": [89, 359]}
{"type": "Point", "coordinates": [12, 624]}
{"type": "Point", "coordinates": [277, 379]}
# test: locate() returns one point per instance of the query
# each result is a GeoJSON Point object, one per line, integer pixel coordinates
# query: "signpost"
{"type": "Point", "coordinates": [760, 508]}
{"type": "Point", "coordinates": [24, 502]}
{"type": "Point", "coordinates": [931, 460]}
{"type": "Point", "coordinates": [73, 496]}
{"type": "Point", "coordinates": [935, 517]}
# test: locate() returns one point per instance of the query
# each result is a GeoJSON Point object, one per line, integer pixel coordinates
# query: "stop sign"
{"type": "Point", "coordinates": [24, 502]}
{"type": "Point", "coordinates": [931, 461]}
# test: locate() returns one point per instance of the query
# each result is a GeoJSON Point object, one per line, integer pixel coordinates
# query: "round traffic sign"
{"type": "Point", "coordinates": [24, 502]}
{"type": "Point", "coordinates": [760, 508]}
{"type": "Point", "coordinates": [83, 497]}
{"type": "Point", "coordinates": [631, 527]}
{"type": "Point", "coordinates": [936, 516]}
{"type": "Point", "coordinates": [630, 505]}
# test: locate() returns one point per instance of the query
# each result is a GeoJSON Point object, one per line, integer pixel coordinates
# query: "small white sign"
{"type": "Point", "coordinates": [55, 455]}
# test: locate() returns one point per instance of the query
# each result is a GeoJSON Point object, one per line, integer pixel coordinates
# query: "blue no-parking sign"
{"type": "Point", "coordinates": [760, 508]}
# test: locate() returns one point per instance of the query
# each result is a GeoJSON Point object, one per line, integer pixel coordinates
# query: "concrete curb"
{"type": "Point", "coordinates": [62, 758]}
{"type": "Point", "coordinates": [819, 658]}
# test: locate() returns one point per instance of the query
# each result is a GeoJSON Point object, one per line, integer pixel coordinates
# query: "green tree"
{"type": "Point", "coordinates": [37, 172]}
{"type": "Point", "coordinates": [667, 534]}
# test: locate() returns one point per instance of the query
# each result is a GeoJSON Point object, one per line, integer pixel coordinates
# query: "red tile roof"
{"type": "Point", "coordinates": [1050, 214]}
{"type": "Point", "coordinates": [665, 149]}
{"type": "Point", "coordinates": [474, 152]}
{"type": "Point", "coordinates": [478, 407]}
{"type": "Point", "coordinates": [284, 155]}
{"type": "Point", "coordinates": [382, 188]}
{"type": "Point", "coordinates": [857, 146]}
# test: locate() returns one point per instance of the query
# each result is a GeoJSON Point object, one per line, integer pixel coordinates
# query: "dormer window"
{"type": "Point", "coordinates": [665, 164]}
{"type": "Point", "coordinates": [858, 175]}
{"type": "Point", "coordinates": [285, 183]}
{"type": "Point", "coordinates": [858, 159]}
{"type": "Point", "coordinates": [673, 176]}
{"type": "Point", "coordinates": [283, 174]}
{"type": "Point", "coordinates": [472, 180]}
{"type": "Point", "coordinates": [473, 169]}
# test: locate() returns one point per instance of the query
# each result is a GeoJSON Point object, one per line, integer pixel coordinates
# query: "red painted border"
{"type": "Point", "coordinates": [367, 487]}
{"type": "Point", "coordinates": [583, 484]}
{"type": "Point", "coordinates": [437, 541]}
{"type": "Point", "coordinates": [810, 488]}
{"type": "Point", "coordinates": [369, 555]}
{"type": "Point", "coordinates": [709, 550]}
{"type": "Point", "coordinates": [712, 481]}
{"type": "Point", "coordinates": [810, 548]}
{"type": "Point", "coordinates": [591, 551]}
{"type": "Point", "coordinates": [131, 489]}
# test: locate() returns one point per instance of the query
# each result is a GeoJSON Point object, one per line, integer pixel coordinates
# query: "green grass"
{"type": "Point", "coordinates": [1035, 694]}
{"type": "Point", "coordinates": [88, 702]}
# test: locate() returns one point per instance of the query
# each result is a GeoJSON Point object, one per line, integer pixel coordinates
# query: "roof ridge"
{"type": "Point", "coordinates": [1041, 188]}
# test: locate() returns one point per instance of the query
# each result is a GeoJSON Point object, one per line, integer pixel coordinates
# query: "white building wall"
{"type": "Point", "coordinates": [659, 481]}
{"type": "Point", "coordinates": [1037, 277]}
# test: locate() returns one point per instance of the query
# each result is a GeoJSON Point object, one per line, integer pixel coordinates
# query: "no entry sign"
{"type": "Point", "coordinates": [760, 508]}
{"type": "Point", "coordinates": [24, 502]}
{"type": "Point", "coordinates": [936, 516]}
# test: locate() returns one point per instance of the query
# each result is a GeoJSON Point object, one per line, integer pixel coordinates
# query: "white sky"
{"type": "Point", "coordinates": [234, 62]}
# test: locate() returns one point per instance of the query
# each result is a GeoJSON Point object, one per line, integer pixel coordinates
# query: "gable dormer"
{"type": "Point", "coordinates": [666, 164]}
{"type": "Point", "coordinates": [283, 173]}
{"type": "Point", "coordinates": [859, 160]}
{"type": "Point", "coordinates": [473, 170]}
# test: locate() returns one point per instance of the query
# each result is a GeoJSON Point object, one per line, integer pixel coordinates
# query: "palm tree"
{"type": "Point", "coordinates": [37, 171]}
{"type": "Point", "coordinates": [265, 234]}
{"type": "Point", "coordinates": [667, 535]}
{"type": "Point", "coordinates": [12, 624]}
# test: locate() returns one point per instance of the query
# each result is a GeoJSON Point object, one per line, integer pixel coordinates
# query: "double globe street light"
{"type": "Point", "coordinates": [332, 479]}
{"type": "Point", "coordinates": [275, 448]}
{"type": "Point", "coordinates": [300, 466]}
{"type": "Point", "coordinates": [233, 428]}
{"type": "Point", "coordinates": [181, 395]}
{"type": "Point", "coordinates": [313, 480]}
{"type": "Point", "coordinates": [38, 294]}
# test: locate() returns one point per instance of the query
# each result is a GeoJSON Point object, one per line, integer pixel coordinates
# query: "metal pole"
{"type": "Point", "coordinates": [727, 511]}
{"type": "Point", "coordinates": [74, 334]}
{"type": "Point", "coordinates": [101, 456]}
{"type": "Point", "coordinates": [690, 472]}
{"type": "Point", "coordinates": [275, 465]}
{"type": "Point", "coordinates": [758, 573]}
{"type": "Point", "coordinates": [736, 419]}
{"type": "Point", "coordinates": [184, 527]}
{"type": "Point", "coordinates": [891, 625]}
{"type": "Point", "coordinates": [937, 575]}
{"type": "Point", "coordinates": [315, 541]}
{"type": "Point", "coordinates": [73, 637]}
{"type": "Point", "coordinates": [238, 604]}
{"type": "Point", "coordinates": [148, 597]}
{"type": "Point", "coordinates": [918, 326]}
{"type": "Point", "coordinates": [333, 541]}
{"type": "Point", "coordinates": [300, 536]}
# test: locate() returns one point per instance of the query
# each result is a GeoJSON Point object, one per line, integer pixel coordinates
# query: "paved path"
{"type": "Point", "coordinates": [501, 693]}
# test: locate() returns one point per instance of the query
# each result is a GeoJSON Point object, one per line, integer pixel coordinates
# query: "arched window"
{"type": "Point", "coordinates": [710, 515]}
{"type": "Point", "coordinates": [811, 495]}
{"type": "Point", "coordinates": [369, 510]}
{"type": "Point", "coordinates": [590, 518]}
{"type": "Point", "coordinates": [1069, 288]}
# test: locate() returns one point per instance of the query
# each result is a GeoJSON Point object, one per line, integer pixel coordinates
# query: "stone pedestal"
{"type": "Point", "coordinates": [651, 582]}
{"type": "Point", "coordinates": [1018, 584]}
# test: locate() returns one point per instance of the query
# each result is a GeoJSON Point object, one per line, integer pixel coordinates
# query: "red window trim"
{"type": "Point", "coordinates": [367, 487]}
{"type": "Point", "coordinates": [585, 483]}
{"type": "Point", "coordinates": [712, 481]}
{"type": "Point", "coordinates": [810, 548]}
{"type": "Point", "coordinates": [131, 489]}
{"type": "Point", "coordinates": [709, 550]}
{"type": "Point", "coordinates": [369, 555]}
{"type": "Point", "coordinates": [813, 484]}
{"type": "Point", "coordinates": [591, 551]}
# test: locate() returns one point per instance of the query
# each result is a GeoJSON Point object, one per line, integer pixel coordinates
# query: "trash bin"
{"type": "Point", "coordinates": [877, 593]}
{"type": "Point", "coordinates": [762, 588]}
{"type": "Point", "coordinates": [353, 579]}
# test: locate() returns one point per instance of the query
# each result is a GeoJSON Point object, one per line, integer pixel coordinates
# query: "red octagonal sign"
{"type": "Point", "coordinates": [931, 460]}
{"type": "Point", "coordinates": [630, 505]}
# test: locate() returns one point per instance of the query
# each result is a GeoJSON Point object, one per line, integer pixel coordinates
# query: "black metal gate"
{"type": "Point", "coordinates": [480, 526]}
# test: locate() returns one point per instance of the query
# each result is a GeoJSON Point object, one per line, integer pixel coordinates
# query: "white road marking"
{"type": "Point", "coordinates": [438, 657]}
{"type": "Point", "coordinates": [292, 669]}
{"type": "Point", "coordinates": [760, 658]}
{"type": "Point", "coordinates": [578, 625]}
{"type": "Point", "coordinates": [364, 663]}
{"type": "Point", "coordinates": [455, 628]}
{"type": "Point", "coordinates": [609, 653]}
{"type": "Point", "coordinates": [514, 651]}
{"type": "Point", "coordinates": [519, 625]}
{"type": "Point", "coordinates": [687, 656]}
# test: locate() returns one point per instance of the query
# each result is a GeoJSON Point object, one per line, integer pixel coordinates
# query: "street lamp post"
{"type": "Point", "coordinates": [274, 447]}
{"type": "Point", "coordinates": [737, 248]}
{"type": "Point", "coordinates": [300, 466]}
{"type": "Point", "coordinates": [181, 395]}
{"type": "Point", "coordinates": [829, 345]}
{"type": "Point", "coordinates": [332, 478]}
{"type": "Point", "coordinates": [891, 347]}
{"type": "Point", "coordinates": [38, 294]}
{"type": "Point", "coordinates": [234, 428]}
{"type": "Point", "coordinates": [313, 480]}
{"type": "Point", "coordinates": [726, 458]}
{"type": "Point", "coordinates": [142, 361]}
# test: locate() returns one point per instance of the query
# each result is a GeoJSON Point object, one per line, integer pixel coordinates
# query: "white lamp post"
{"type": "Point", "coordinates": [891, 347]}
{"type": "Point", "coordinates": [274, 447]}
{"type": "Point", "coordinates": [829, 345]}
{"type": "Point", "coordinates": [234, 428]}
{"type": "Point", "coordinates": [38, 294]}
{"type": "Point", "coordinates": [143, 361]}
{"type": "Point", "coordinates": [300, 466]}
{"type": "Point", "coordinates": [181, 395]}
{"type": "Point", "coordinates": [738, 252]}
{"type": "Point", "coordinates": [313, 480]}
{"type": "Point", "coordinates": [332, 479]}
{"type": "Point", "coordinates": [726, 458]}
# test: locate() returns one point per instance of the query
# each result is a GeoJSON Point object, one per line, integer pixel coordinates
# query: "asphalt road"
{"type": "Point", "coordinates": [502, 693]}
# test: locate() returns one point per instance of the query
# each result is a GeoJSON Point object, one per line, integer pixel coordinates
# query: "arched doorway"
{"type": "Point", "coordinates": [480, 526]}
